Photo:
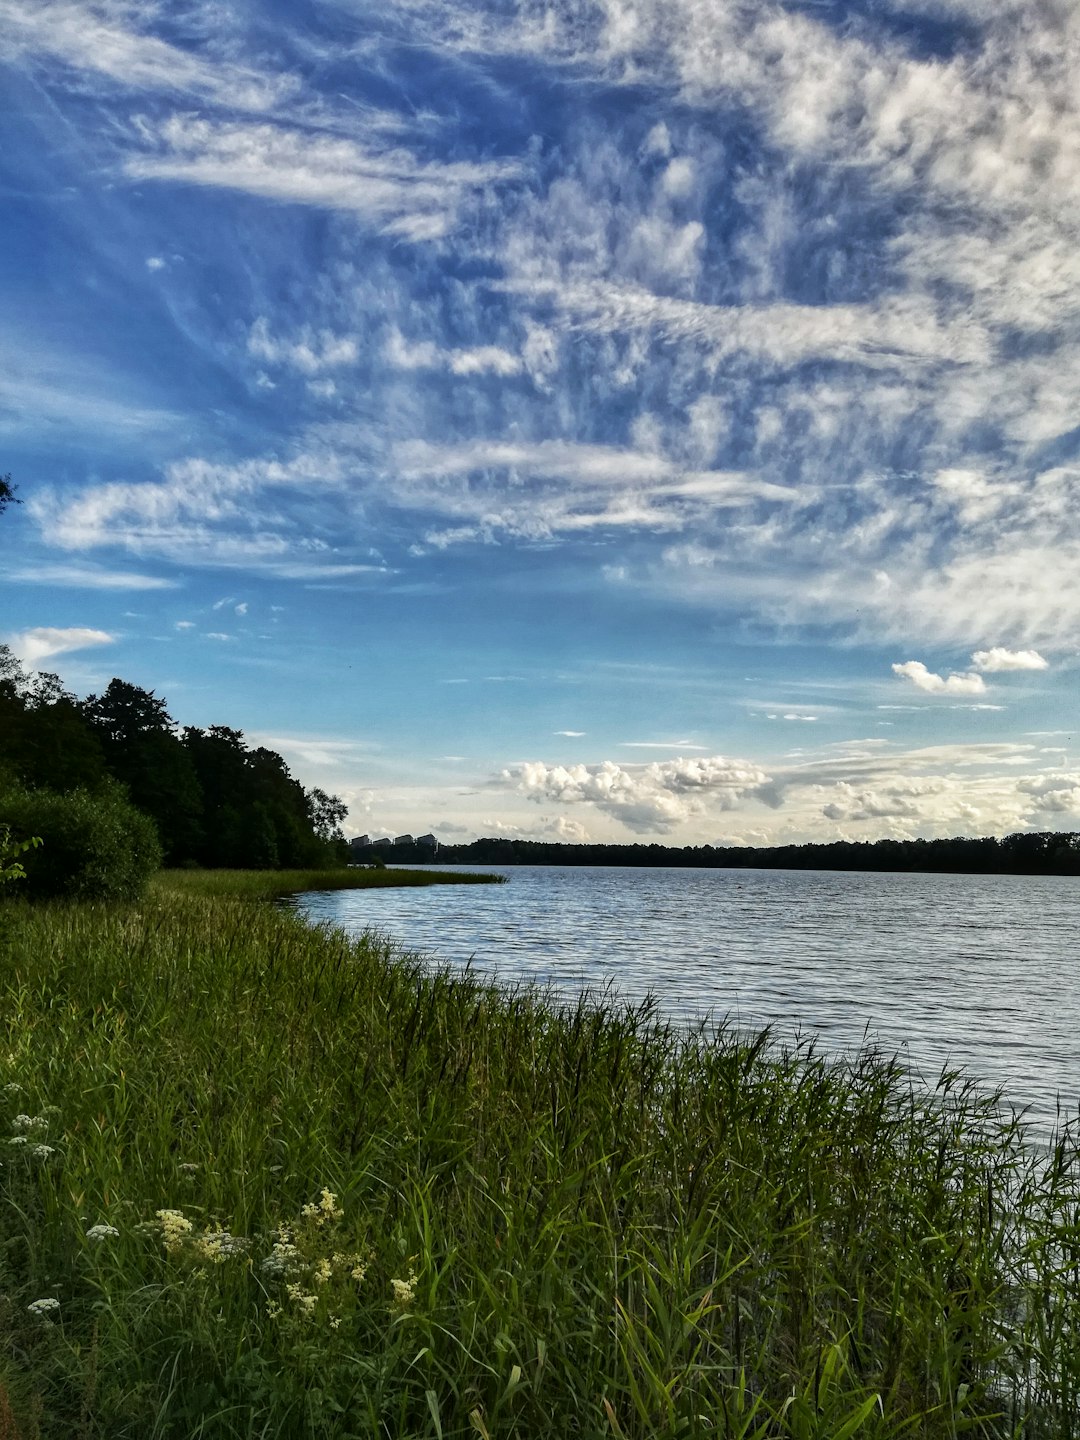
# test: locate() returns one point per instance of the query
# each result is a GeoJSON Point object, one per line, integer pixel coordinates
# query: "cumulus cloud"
{"type": "Point", "coordinates": [998, 658]}
{"type": "Point", "coordinates": [1053, 796]}
{"type": "Point", "coordinates": [32, 646]}
{"type": "Point", "coordinates": [647, 799]}
{"type": "Point", "coordinates": [924, 679]}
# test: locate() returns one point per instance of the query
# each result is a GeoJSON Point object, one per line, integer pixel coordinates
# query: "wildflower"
{"type": "Point", "coordinates": [354, 1263]}
{"type": "Point", "coordinates": [13, 1087]}
{"type": "Point", "coordinates": [102, 1232]}
{"type": "Point", "coordinates": [218, 1245]}
{"type": "Point", "coordinates": [304, 1302]}
{"type": "Point", "coordinates": [44, 1309]}
{"type": "Point", "coordinates": [325, 1211]}
{"type": "Point", "coordinates": [17, 1140]}
{"type": "Point", "coordinates": [335, 1321]}
{"type": "Point", "coordinates": [21, 1122]}
{"type": "Point", "coordinates": [321, 1273]}
{"type": "Point", "coordinates": [283, 1259]}
{"type": "Point", "coordinates": [42, 1152]}
{"type": "Point", "coordinates": [175, 1228]}
{"type": "Point", "coordinates": [404, 1291]}
{"type": "Point", "coordinates": [188, 1167]}
{"type": "Point", "coordinates": [39, 1124]}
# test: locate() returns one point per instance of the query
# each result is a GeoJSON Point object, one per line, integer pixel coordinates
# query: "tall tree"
{"type": "Point", "coordinates": [142, 749]}
{"type": "Point", "coordinates": [7, 493]}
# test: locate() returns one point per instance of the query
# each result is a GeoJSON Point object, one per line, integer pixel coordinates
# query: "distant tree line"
{"type": "Point", "coordinates": [213, 800]}
{"type": "Point", "coordinates": [1034, 853]}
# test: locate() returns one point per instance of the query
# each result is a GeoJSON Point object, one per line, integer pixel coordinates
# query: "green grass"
{"type": "Point", "coordinates": [271, 884]}
{"type": "Point", "coordinates": [545, 1222]}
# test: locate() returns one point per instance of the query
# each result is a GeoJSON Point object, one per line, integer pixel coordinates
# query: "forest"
{"type": "Point", "coordinates": [214, 800]}
{"type": "Point", "coordinates": [1024, 853]}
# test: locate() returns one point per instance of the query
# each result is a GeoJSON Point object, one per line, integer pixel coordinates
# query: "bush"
{"type": "Point", "coordinates": [95, 846]}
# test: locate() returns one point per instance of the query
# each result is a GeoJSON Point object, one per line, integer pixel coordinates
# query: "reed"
{"type": "Point", "coordinates": [274, 884]}
{"type": "Point", "coordinates": [280, 1182]}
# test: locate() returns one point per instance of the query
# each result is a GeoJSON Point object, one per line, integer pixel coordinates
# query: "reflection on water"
{"type": "Point", "coordinates": [969, 970]}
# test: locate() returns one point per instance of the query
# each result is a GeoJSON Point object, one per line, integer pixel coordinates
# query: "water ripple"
{"type": "Point", "coordinates": [970, 970]}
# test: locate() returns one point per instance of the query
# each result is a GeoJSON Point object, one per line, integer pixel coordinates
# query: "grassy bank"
{"type": "Point", "coordinates": [271, 884]}
{"type": "Point", "coordinates": [262, 1180]}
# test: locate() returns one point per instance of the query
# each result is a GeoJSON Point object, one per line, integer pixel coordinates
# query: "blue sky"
{"type": "Point", "coordinates": [623, 419]}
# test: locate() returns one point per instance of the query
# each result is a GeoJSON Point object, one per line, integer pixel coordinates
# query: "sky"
{"type": "Point", "coordinates": [619, 420]}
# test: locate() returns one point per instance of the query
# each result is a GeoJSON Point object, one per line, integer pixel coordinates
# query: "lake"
{"type": "Point", "coordinates": [961, 970]}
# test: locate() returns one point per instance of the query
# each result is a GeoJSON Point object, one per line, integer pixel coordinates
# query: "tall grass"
{"type": "Point", "coordinates": [356, 1197]}
{"type": "Point", "coordinates": [272, 884]}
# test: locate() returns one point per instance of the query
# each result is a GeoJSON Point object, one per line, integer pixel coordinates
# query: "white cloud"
{"type": "Point", "coordinates": [426, 355]}
{"type": "Point", "coordinates": [570, 734]}
{"type": "Point", "coordinates": [105, 39]}
{"type": "Point", "coordinates": [924, 679]}
{"type": "Point", "coordinates": [998, 658]}
{"type": "Point", "coordinates": [155, 262]}
{"type": "Point", "coordinates": [391, 189]}
{"type": "Point", "coordinates": [80, 577]}
{"type": "Point", "coordinates": [310, 353]}
{"type": "Point", "coordinates": [204, 514]}
{"type": "Point", "coordinates": [647, 799]}
{"type": "Point", "coordinates": [32, 646]}
{"type": "Point", "coordinates": [574, 488]}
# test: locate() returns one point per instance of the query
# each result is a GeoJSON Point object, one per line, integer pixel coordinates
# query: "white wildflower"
{"type": "Point", "coordinates": [326, 1211]}
{"type": "Point", "coordinates": [404, 1291]}
{"type": "Point", "coordinates": [39, 1124]}
{"type": "Point", "coordinates": [321, 1272]}
{"type": "Point", "coordinates": [175, 1229]}
{"type": "Point", "coordinates": [44, 1309]}
{"type": "Point", "coordinates": [102, 1232]}
{"type": "Point", "coordinates": [283, 1260]}
{"type": "Point", "coordinates": [217, 1246]}
{"type": "Point", "coordinates": [21, 1122]}
{"type": "Point", "coordinates": [17, 1140]}
{"type": "Point", "coordinates": [188, 1167]}
{"type": "Point", "coordinates": [13, 1088]}
{"type": "Point", "coordinates": [304, 1302]}
{"type": "Point", "coordinates": [42, 1152]}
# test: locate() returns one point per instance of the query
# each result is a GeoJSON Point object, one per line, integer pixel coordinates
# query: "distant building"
{"type": "Point", "coordinates": [428, 842]}
{"type": "Point", "coordinates": [404, 840]}
{"type": "Point", "coordinates": [382, 840]}
{"type": "Point", "coordinates": [359, 842]}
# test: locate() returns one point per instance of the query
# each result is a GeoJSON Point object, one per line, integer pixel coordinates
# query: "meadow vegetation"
{"type": "Point", "coordinates": [262, 1179]}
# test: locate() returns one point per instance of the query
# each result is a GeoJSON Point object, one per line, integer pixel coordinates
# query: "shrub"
{"type": "Point", "coordinates": [95, 846]}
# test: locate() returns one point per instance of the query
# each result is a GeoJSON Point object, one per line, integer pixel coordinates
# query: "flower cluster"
{"type": "Point", "coordinates": [97, 1233]}
{"type": "Point", "coordinates": [404, 1291]}
{"type": "Point", "coordinates": [212, 1246]}
{"type": "Point", "coordinates": [44, 1309]}
{"type": "Point", "coordinates": [314, 1275]}
{"type": "Point", "coordinates": [325, 1211]}
{"type": "Point", "coordinates": [175, 1230]}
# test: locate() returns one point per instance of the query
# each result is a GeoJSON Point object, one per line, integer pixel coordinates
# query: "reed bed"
{"type": "Point", "coordinates": [274, 884]}
{"type": "Point", "coordinates": [260, 1179]}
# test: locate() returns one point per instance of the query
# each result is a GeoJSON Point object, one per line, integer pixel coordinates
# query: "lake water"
{"type": "Point", "coordinates": [971, 970]}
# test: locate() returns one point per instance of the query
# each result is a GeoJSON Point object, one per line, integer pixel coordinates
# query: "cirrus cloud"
{"type": "Point", "coordinates": [43, 641]}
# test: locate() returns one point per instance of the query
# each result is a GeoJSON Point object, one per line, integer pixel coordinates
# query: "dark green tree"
{"type": "Point", "coordinates": [143, 751]}
{"type": "Point", "coordinates": [7, 493]}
